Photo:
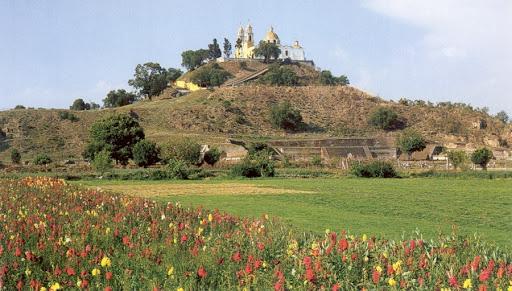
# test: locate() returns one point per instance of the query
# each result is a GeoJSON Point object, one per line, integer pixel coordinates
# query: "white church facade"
{"type": "Point", "coordinates": [245, 45]}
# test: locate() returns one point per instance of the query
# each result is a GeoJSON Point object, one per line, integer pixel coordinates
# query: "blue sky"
{"type": "Point", "coordinates": [52, 52]}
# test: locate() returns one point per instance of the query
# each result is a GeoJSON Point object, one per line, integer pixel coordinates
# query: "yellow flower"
{"type": "Point", "coordinates": [509, 288]}
{"type": "Point", "coordinates": [378, 268]}
{"type": "Point", "coordinates": [446, 289]}
{"type": "Point", "coordinates": [28, 272]}
{"type": "Point", "coordinates": [180, 289]}
{"type": "Point", "coordinates": [391, 282]}
{"type": "Point", "coordinates": [199, 231]}
{"type": "Point", "coordinates": [170, 271]}
{"type": "Point", "coordinates": [210, 217]}
{"type": "Point", "coordinates": [385, 254]}
{"type": "Point", "coordinates": [107, 230]}
{"type": "Point", "coordinates": [79, 283]}
{"type": "Point", "coordinates": [397, 267]}
{"type": "Point", "coordinates": [55, 286]}
{"type": "Point", "coordinates": [467, 284]}
{"type": "Point", "coordinates": [105, 262]}
{"type": "Point", "coordinates": [95, 272]}
{"type": "Point", "coordinates": [327, 231]}
{"type": "Point", "coordinates": [43, 289]}
{"type": "Point", "coordinates": [365, 237]}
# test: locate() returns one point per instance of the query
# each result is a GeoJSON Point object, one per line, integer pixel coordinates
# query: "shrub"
{"type": "Point", "coordinates": [256, 147]}
{"type": "Point", "coordinates": [118, 98]}
{"type": "Point", "coordinates": [482, 157]}
{"type": "Point", "coordinates": [212, 156]}
{"type": "Point", "coordinates": [254, 166]}
{"type": "Point", "coordinates": [385, 118]}
{"type": "Point", "coordinates": [177, 169]}
{"type": "Point", "coordinates": [42, 159]}
{"type": "Point", "coordinates": [145, 153]}
{"type": "Point", "coordinates": [15, 156]}
{"type": "Point", "coordinates": [184, 149]}
{"type": "Point", "coordinates": [280, 76]}
{"type": "Point", "coordinates": [284, 116]}
{"type": "Point", "coordinates": [326, 78]}
{"type": "Point", "coordinates": [65, 115]}
{"type": "Point", "coordinates": [411, 141]}
{"type": "Point", "coordinates": [102, 162]}
{"type": "Point", "coordinates": [210, 76]}
{"type": "Point", "coordinates": [458, 158]}
{"type": "Point", "coordinates": [316, 160]}
{"type": "Point", "coordinates": [374, 169]}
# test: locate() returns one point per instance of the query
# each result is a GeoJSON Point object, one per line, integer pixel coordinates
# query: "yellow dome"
{"type": "Point", "coordinates": [272, 36]}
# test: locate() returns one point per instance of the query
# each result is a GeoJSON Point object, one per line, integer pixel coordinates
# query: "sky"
{"type": "Point", "coordinates": [54, 51]}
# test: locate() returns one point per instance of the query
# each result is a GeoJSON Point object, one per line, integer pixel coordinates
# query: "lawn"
{"type": "Point", "coordinates": [389, 208]}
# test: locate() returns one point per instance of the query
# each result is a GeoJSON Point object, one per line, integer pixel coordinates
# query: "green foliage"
{"type": "Point", "coordinates": [482, 157]}
{"type": "Point", "coordinates": [118, 98]}
{"type": "Point", "coordinates": [79, 105]}
{"type": "Point", "coordinates": [102, 162]}
{"type": "Point", "coordinates": [212, 156]}
{"type": "Point", "coordinates": [254, 166]}
{"type": "Point", "coordinates": [116, 134]}
{"type": "Point", "coordinates": [458, 158]}
{"type": "Point", "coordinates": [19, 107]}
{"type": "Point", "coordinates": [280, 76]}
{"type": "Point", "coordinates": [411, 141]}
{"type": "Point", "coordinates": [284, 116]}
{"type": "Point", "coordinates": [374, 169]}
{"type": "Point", "coordinates": [214, 51]}
{"type": "Point", "coordinates": [267, 50]}
{"type": "Point", "coordinates": [326, 78]}
{"type": "Point", "coordinates": [182, 149]}
{"type": "Point", "coordinates": [502, 116]}
{"type": "Point", "coordinates": [227, 48]}
{"type": "Point", "coordinates": [151, 79]}
{"type": "Point", "coordinates": [15, 156]}
{"type": "Point", "coordinates": [194, 59]}
{"type": "Point", "coordinates": [384, 118]}
{"type": "Point", "coordinates": [177, 169]}
{"type": "Point", "coordinates": [42, 159]}
{"type": "Point", "coordinates": [316, 161]}
{"type": "Point", "coordinates": [210, 76]}
{"type": "Point", "coordinates": [66, 115]}
{"type": "Point", "coordinates": [145, 153]}
{"type": "Point", "coordinates": [254, 148]}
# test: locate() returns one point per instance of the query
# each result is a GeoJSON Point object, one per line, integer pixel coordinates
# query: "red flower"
{"type": "Point", "coordinates": [482, 288]}
{"type": "Point", "coordinates": [421, 281]}
{"type": "Point", "coordinates": [310, 275]}
{"type": "Point", "coordinates": [307, 262]}
{"type": "Point", "coordinates": [278, 286]}
{"type": "Point", "coordinates": [85, 283]}
{"type": "Point", "coordinates": [343, 244]}
{"type": "Point", "coordinates": [17, 252]}
{"type": "Point", "coordinates": [108, 288]}
{"type": "Point", "coordinates": [453, 281]}
{"type": "Point", "coordinates": [108, 275]}
{"type": "Point", "coordinates": [475, 263]}
{"type": "Point", "coordinates": [248, 268]}
{"type": "Point", "coordinates": [261, 246]}
{"type": "Point", "coordinates": [202, 272]}
{"type": "Point", "coordinates": [376, 276]}
{"type": "Point", "coordinates": [484, 275]}
{"type": "Point", "coordinates": [184, 238]}
{"type": "Point", "coordinates": [70, 271]}
{"type": "Point", "coordinates": [236, 257]}
{"type": "Point", "coordinates": [335, 287]}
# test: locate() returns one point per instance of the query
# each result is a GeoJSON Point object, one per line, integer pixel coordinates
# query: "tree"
{"type": "Point", "coordinates": [482, 157]}
{"type": "Point", "coordinates": [42, 159]}
{"type": "Point", "coordinates": [411, 141]}
{"type": "Point", "coordinates": [384, 118]}
{"type": "Point", "coordinates": [79, 105]}
{"type": "Point", "coordinates": [193, 59]}
{"type": "Point", "coordinates": [182, 149]}
{"type": "Point", "coordinates": [102, 162]}
{"type": "Point", "coordinates": [214, 51]}
{"type": "Point", "coordinates": [94, 106]}
{"type": "Point", "coordinates": [284, 116]}
{"type": "Point", "coordinates": [326, 78]}
{"type": "Point", "coordinates": [118, 98]}
{"type": "Point", "coordinates": [212, 156]}
{"type": "Point", "coordinates": [457, 157]}
{"type": "Point", "coordinates": [227, 48]}
{"type": "Point", "coordinates": [502, 116]}
{"type": "Point", "coordinates": [116, 134]}
{"type": "Point", "coordinates": [210, 76]}
{"type": "Point", "coordinates": [19, 107]}
{"type": "Point", "coordinates": [280, 76]}
{"type": "Point", "coordinates": [145, 153]}
{"type": "Point", "coordinates": [15, 156]}
{"type": "Point", "coordinates": [268, 51]}
{"type": "Point", "coordinates": [150, 79]}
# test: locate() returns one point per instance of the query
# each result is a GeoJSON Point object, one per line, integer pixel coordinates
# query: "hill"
{"type": "Point", "coordinates": [242, 112]}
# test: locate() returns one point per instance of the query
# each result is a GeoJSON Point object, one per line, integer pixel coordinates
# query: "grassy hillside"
{"type": "Point", "coordinates": [214, 115]}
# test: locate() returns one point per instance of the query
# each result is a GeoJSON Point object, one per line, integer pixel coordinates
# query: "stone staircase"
{"type": "Point", "coordinates": [242, 79]}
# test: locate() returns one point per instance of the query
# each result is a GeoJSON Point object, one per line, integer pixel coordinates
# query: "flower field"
{"type": "Point", "coordinates": [55, 236]}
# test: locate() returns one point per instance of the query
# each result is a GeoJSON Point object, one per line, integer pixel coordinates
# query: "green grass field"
{"type": "Point", "coordinates": [384, 207]}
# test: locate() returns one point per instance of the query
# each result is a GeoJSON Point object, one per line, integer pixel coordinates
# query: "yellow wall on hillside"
{"type": "Point", "coordinates": [187, 85]}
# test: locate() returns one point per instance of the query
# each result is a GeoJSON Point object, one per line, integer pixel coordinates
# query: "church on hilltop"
{"type": "Point", "coordinates": [245, 45]}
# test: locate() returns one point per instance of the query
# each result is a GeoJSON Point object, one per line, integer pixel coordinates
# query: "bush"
{"type": "Point", "coordinates": [42, 159]}
{"type": "Point", "coordinates": [256, 147]}
{"type": "Point", "coordinates": [254, 166]}
{"type": "Point", "coordinates": [385, 118]}
{"type": "Point", "coordinates": [212, 156]}
{"type": "Point", "coordinates": [326, 78]}
{"type": "Point", "coordinates": [210, 76]}
{"type": "Point", "coordinates": [145, 153]}
{"type": "Point", "coordinates": [316, 160]}
{"type": "Point", "coordinates": [284, 116]}
{"type": "Point", "coordinates": [183, 149]}
{"type": "Point", "coordinates": [458, 158]}
{"type": "Point", "coordinates": [411, 141]}
{"type": "Point", "coordinates": [280, 76]}
{"type": "Point", "coordinates": [482, 157]}
{"type": "Point", "coordinates": [177, 169]}
{"type": "Point", "coordinates": [374, 169]}
{"type": "Point", "coordinates": [19, 107]}
{"type": "Point", "coordinates": [15, 156]}
{"type": "Point", "coordinates": [65, 115]}
{"type": "Point", "coordinates": [119, 98]}
{"type": "Point", "coordinates": [102, 162]}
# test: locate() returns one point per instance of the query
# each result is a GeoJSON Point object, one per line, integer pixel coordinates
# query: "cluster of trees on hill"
{"type": "Point", "coordinates": [193, 59]}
